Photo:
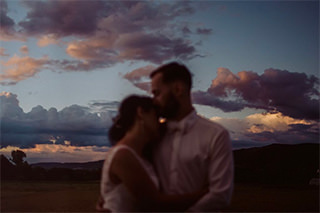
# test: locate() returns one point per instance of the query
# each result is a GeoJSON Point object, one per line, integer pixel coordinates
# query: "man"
{"type": "Point", "coordinates": [195, 152]}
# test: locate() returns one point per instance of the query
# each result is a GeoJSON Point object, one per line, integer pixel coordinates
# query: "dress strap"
{"type": "Point", "coordinates": [123, 146]}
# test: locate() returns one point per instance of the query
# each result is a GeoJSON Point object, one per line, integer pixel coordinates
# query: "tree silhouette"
{"type": "Point", "coordinates": [17, 158]}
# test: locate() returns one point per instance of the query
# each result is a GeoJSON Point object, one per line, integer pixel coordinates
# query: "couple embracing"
{"type": "Point", "coordinates": [182, 164]}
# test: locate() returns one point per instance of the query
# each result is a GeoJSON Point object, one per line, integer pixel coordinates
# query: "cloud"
{"type": "Point", "coordinates": [97, 49]}
{"type": "Point", "coordinates": [48, 40]}
{"type": "Point", "coordinates": [186, 30]}
{"type": "Point", "coordinates": [140, 74]}
{"type": "Point", "coordinates": [272, 122]}
{"type": "Point", "coordinates": [112, 32]}
{"type": "Point", "coordinates": [297, 133]}
{"type": "Point", "coordinates": [205, 98]}
{"type": "Point", "coordinates": [69, 18]}
{"type": "Point", "coordinates": [75, 124]}
{"type": "Point", "coordinates": [140, 77]}
{"type": "Point", "coordinates": [20, 68]}
{"type": "Point", "coordinates": [293, 94]}
{"type": "Point", "coordinates": [62, 18]}
{"type": "Point", "coordinates": [6, 23]}
{"type": "Point", "coordinates": [106, 110]}
{"type": "Point", "coordinates": [156, 48]}
{"type": "Point", "coordinates": [109, 49]}
{"type": "Point", "coordinates": [204, 31]}
{"type": "Point", "coordinates": [24, 50]}
{"type": "Point", "coordinates": [2, 52]}
{"type": "Point", "coordinates": [271, 128]}
{"type": "Point", "coordinates": [10, 106]}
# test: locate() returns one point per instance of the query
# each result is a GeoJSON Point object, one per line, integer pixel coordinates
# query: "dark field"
{"type": "Point", "coordinates": [32, 196]}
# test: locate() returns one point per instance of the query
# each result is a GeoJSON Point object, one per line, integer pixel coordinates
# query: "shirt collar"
{"type": "Point", "coordinates": [183, 125]}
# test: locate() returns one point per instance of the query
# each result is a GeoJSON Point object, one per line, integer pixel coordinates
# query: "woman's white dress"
{"type": "Point", "coordinates": [116, 196]}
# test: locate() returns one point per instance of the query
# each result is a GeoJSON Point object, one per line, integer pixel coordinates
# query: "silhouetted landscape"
{"type": "Point", "coordinates": [275, 163]}
{"type": "Point", "coordinates": [273, 176]}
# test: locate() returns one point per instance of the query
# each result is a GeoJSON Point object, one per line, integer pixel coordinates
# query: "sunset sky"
{"type": "Point", "coordinates": [66, 65]}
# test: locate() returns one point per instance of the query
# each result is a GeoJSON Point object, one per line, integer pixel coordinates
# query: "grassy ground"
{"type": "Point", "coordinates": [81, 197]}
{"type": "Point", "coordinates": [49, 196]}
{"type": "Point", "coordinates": [263, 198]}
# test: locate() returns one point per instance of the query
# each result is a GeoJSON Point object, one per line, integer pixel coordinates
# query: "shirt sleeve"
{"type": "Point", "coordinates": [220, 176]}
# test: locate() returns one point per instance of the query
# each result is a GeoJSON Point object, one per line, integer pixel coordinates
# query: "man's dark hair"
{"type": "Point", "coordinates": [174, 72]}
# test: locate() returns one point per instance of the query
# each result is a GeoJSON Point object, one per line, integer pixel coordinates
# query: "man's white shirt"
{"type": "Point", "coordinates": [195, 153]}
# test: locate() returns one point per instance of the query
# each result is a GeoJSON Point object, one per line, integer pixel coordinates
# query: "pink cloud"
{"type": "Point", "coordinates": [24, 49]}
{"type": "Point", "coordinates": [20, 68]}
{"type": "Point", "coordinates": [140, 73]}
{"type": "Point", "coordinates": [293, 94]}
{"type": "Point", "coordinates": [271, 127]}
{"type": "Point", "coordinates": [95, 49]}
{"type": "Point", "coordinates": [101, 34]}
{"type": "Point", "coordinates": [115, 48]}
{"type": "Point", "coordinates": [2, 52]}
{"type": "Point", "coordinates": [47, 40]}
{"type": "Point", "coordinates": [140, 77]}
{"type": "Point", "coordinates": [113, 30]}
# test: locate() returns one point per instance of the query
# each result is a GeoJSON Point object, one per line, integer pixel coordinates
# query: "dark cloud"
{"type": "Point", "coordinates": [62, 18]}
{"type": "Point", "coordinates": [74, 124]}
{"type": "Point", "coordinates": [6, 23]}
{"type": "Point", "coordinates": [186, 30]}
{"type": "Point", "coordinates": [102, 106]}
{"type": "Point", "coordinates": [78, 65]}
{"type": "Point", "coordinates": [204, 31]}
{"type": "Point", "coordinates": [293, 94]}
{"type": "Point", "coordinates": [155, 48]}
{"type": "Point", "coordinates": [23, 140]}
{"type": "Point", "coordinates": [105, 33]}
{"type": "Point", "coordinates": [205, 98]}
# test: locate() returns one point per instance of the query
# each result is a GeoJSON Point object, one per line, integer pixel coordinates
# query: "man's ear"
{"type": "Point", "coordinates": [177, 88]}
{"type": "Point", "coordinates": [140, 112]}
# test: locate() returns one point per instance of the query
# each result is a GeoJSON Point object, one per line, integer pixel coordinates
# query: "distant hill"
{"type": "Point", "coordinates": [85, 166]}
{"type": "Point", "coordinates": [276, 163]}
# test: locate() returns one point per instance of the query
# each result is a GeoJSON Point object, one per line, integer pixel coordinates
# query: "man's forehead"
{"type": "Point", "coordinates": [156, 79]}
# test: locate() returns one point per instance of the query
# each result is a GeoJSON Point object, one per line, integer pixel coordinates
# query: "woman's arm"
{"type": "Point", "coordinates": [128, 169]}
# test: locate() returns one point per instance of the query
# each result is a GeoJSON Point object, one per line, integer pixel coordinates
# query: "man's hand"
{"type": "Point", "coordinates": [99, 205]}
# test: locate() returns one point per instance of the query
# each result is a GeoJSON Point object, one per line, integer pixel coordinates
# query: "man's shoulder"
{"type": "Point", "coordinates": [207, 124]}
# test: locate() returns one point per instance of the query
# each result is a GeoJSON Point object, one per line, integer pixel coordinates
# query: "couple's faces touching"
{"type": "Point", "coordinates": [163, 97]}
{"type": "Point", "coordinates": [166, 105]}
{"type": "Point", "coordinates": [150, 123]}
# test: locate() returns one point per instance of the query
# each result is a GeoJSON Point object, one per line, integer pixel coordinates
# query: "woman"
{"type": "Point", "coordinates": [129, 182]}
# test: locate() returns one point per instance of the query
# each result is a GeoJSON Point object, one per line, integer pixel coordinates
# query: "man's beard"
{"type": "Point", "coordinates": [171, 107]}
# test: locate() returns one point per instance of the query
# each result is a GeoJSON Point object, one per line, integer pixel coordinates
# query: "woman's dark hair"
{"type": "Point", "coordinates": [127, 114]}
